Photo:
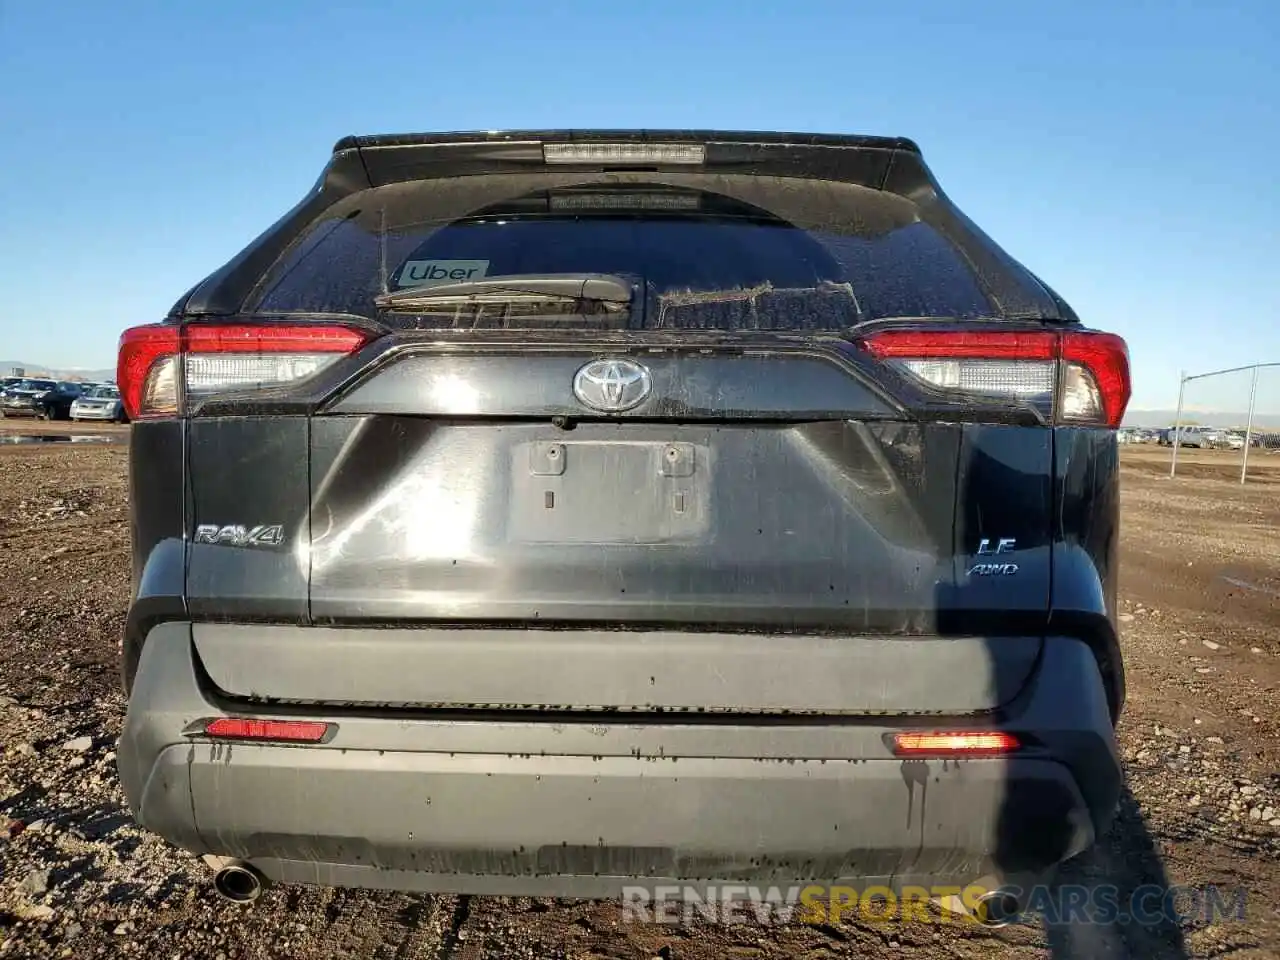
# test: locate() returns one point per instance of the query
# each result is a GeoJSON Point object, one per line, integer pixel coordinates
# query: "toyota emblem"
{"type": "Point", "coordinates": [611, 386]}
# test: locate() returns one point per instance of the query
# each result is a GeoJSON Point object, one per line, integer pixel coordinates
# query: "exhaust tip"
{"type": "Point", "coordinates": [999, 908]}
{"type": "Point", "coordinates": [239, 883]}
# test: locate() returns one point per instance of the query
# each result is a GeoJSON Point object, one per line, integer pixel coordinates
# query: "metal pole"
{"type": "Point", "coordinates": [1177, 425]}
{"type": "Point", "coordinates": [1248, 427]}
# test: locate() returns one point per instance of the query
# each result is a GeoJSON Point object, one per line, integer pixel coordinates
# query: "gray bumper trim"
{"type": "Point", "coordinates": [617, 670]}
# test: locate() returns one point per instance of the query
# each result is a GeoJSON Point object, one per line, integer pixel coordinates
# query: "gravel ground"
{"type": "Point", "coordinates": [1201, 621]}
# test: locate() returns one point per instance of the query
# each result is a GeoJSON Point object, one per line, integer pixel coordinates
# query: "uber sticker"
{"type": "Point", "coordinates": [429, 273]}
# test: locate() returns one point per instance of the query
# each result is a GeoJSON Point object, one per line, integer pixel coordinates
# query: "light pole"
{"type": "Point", "coordinates": [1177, 423]}
{"type": "Point", "coordinates": [1248, 426]}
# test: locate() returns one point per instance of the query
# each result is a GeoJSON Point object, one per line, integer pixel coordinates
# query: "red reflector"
{"type": "Point", "coordinates": [304, 731]}
{"type": "Point", "coordinates": [955, 743]}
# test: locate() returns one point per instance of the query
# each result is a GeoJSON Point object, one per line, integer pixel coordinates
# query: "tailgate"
{"type": "Point", "coordinates": [806, 502]}
{"type": "Point", "coordinates": [810, 548]}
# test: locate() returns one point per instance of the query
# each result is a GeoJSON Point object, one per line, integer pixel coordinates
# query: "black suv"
{"type": "Point", "coordinates": [547, 512]}
{"type": "Point", "coordinates": [37, 397]}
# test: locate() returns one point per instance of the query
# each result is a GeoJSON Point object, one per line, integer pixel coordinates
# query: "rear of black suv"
{"type": "Point", "coordinates": [548, 512]}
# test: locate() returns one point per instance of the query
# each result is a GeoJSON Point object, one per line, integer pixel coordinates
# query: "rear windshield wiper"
{"type": "Point", "coordinates": [593, 292]}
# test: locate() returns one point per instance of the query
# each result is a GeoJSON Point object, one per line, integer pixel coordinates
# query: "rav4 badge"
{"type": "Point", "coordinates": [269, 535]}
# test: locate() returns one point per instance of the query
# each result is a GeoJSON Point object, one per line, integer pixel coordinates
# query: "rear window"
{"type": "Point", "coordinates": [702, 251]}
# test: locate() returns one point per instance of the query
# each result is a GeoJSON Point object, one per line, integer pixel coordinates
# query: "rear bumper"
{"type": "Point", "coordinates": [583, 808]}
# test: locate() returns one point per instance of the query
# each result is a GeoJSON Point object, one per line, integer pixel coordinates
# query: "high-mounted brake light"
{"type": "Point", "coordinates": [973, 743]}
{"type": "Point", "coordinates": [624, 153]}
{"type": "Point", "coordinates": [1078, 376]}
{"type": "Point", "coordinates": [625, 201]}
{"type": "Point", "coordinates": [215, 359]}
{"type": "Point", "coordinates": [239, 728]}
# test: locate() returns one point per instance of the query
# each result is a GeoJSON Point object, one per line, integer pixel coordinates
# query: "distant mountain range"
{"type": "Point", "coordinates": [57, 373]}
{"type": "Point", "coordinates": [1213, 418]}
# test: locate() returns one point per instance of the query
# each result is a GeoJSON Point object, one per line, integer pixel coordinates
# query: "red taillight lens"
{"type": "Point", "coordinates": [213, 359]}
{"type": "Point", "coordinates": [238, 728]}
{"type": "Point", "coordinates": [1106, 357]}
{"type": "Point", "coordinates": [954, 743]}
{"type": "Point", "coordinates": [962, 344]}
{"type": "Point", "coordinates": [1070, 376]}
{"type": "Point", "coordinates": [141, 349]}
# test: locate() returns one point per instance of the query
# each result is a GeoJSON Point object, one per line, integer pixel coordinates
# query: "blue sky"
{"type": "Point", "coordinates": [1125, 151]}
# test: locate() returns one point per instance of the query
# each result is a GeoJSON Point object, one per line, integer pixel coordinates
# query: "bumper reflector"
{"type": "Point", "coordinates": [976, 743]}
{"type": "Point", "coordinates": [295, 731]}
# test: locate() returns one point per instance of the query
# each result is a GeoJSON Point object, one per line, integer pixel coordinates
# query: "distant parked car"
{"type": "Point", "coordinates": [46, 399]}
{"type": "Point", "coordinates": [1195, 436]}
{"type": "Point", "coordinates": [99, 403]}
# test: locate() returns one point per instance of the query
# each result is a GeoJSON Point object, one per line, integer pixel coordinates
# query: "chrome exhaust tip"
{"type": "Point", "coordinates": [238, 882]}
{"type": "Point", "coordinates": [998, 908]}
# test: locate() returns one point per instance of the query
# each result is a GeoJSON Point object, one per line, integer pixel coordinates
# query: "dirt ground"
{"type": "Point", "coordinates": [1200, 588]}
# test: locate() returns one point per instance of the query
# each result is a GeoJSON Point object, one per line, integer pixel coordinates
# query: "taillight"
{"type": "Point", "coordinates": [1077, 376]}
{"type": "Point", "coordinates": [955, 743]}
{"type": "Point", "coordinates": [142, 390]}
{"type": "Point", "coordinates": [239, 728]}
{"type": "Point", "coordinates": [211, 360]}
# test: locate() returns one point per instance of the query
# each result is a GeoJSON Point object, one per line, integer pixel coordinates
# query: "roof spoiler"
{"type": "Point", "coordinates": [867, 161]}
{"type": "Point", "coordinates": [892, 164]}
{"type": "Point", "coordinates": [627, 136]}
